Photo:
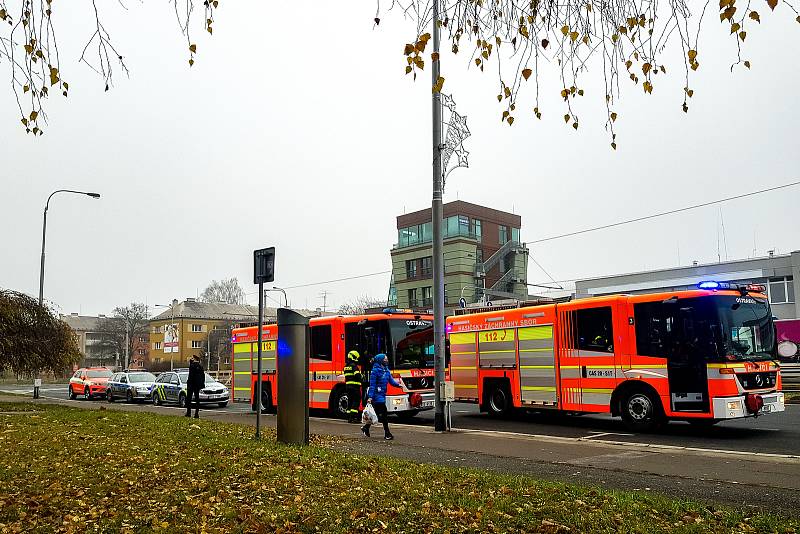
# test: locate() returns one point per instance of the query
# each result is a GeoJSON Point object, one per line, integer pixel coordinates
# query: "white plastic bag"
{"type": "Point", "coordinates": [369, 417]}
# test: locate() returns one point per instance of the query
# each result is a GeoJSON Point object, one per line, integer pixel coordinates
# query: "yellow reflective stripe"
{"type": "Point", "coordinates": [535, 332]}
{"type": "Point", "coordinates": [466, 386]}
{"type": "Point", "coordinates": [537, 367]}
{"type": "Point", "coordinates": [351, 383]}
{"type": "Point", "coordinates": [242, 359]}
{"type": "Point", "coordinates": [596, 390]}
{"type": "Point", "coordinates": [468, 352]}
{"type": "Point", "coordinates": [537, 350]}
{"type": "Point", "coordinates": [241, 389]}
{"type": "Point", "coordinates": [726, 365]}
{"type": "Point", "coordinates": [464, 368]}
{"type": "Point", "coordinates": [242, 373]}
{"type": "Point", "coordinates": [570, 366]}
{"type": "Point", "coordinates": [538, 388]}
{"type": "Point", "coordinates": [238, 348]}
{"type": "Point", "coordinates": [511, 351]}
{"type": "Point", "coordinates": [462, 339]}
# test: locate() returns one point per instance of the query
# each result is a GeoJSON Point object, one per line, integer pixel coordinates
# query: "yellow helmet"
{"type": "Point", "coordinates": [353, 355]}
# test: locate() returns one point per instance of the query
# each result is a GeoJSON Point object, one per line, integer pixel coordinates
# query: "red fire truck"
{"type": "Point", "coordinates": [701, 356]}
{"type": "Point", "coordinates": [405, 337]}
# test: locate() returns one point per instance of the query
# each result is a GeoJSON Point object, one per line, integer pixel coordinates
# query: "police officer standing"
{"type": "Point", "coordinates": [196, 382]}
{"type": "Point", "coordinates": [352, 382]}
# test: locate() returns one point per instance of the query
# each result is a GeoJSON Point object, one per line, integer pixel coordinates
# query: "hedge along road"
{"type": "Point", "coordinates": [774, 433]}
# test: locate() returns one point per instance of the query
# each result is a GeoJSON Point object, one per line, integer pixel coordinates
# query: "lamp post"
{"type": "Point", "coordinates": [285, 298]}
{"type": "Point", "coordinates": [44, 234]}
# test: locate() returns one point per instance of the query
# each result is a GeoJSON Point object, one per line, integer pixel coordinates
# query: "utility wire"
{"type": "Point", "coordinates": [570, 234]}
{"type": "Point", "coordinates": [663, 213]}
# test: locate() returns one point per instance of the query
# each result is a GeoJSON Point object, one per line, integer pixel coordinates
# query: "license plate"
{"type": "Point", "coordinates": [766, 408]}
{"type": "Point", "coordinates": [428, 404]}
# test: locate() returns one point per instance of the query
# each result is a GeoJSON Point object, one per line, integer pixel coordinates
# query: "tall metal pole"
{"type": "Point", "coordinates": [258, 380]}
{"type": "Point", "coordinates": [436, 212]}
{"type": "Point", "coordinates": [44, 233]}
{"type": "Point", "coordinates": [41, 267]}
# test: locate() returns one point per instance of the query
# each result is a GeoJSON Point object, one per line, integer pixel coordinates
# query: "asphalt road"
{"type": "Point", "coordinates": [775, 433]}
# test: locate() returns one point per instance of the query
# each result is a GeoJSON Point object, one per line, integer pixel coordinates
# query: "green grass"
{"type": "Point", "coordinates": [73, 470]}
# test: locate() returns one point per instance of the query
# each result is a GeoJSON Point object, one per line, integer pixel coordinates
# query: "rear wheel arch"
{"type": "Point", "coordinates": [494, 391]}
{"type": "Point", "coordinates": [338, 392]}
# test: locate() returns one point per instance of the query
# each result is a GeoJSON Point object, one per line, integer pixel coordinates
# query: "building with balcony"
{"type": "Point", "coordinates": [101, 342]}
{"type": "Point", "coordinates": [483, 256]}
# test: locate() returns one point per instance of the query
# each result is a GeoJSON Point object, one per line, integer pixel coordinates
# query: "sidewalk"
{"type": "Point", "coordinates": [749, 480]}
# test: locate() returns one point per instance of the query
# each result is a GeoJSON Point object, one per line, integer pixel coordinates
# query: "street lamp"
{"type": "Point", "coordinates": [285, 298]}
{"type": "Point", "coordinates": [44, 234]}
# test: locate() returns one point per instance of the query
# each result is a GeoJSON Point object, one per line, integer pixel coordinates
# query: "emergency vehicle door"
{"type": "Point", "coordinates": [464, 365]}
{"type": "Point", "coordinates": [687, 332]}
{"type": "Point", "coordinates": [594, 330]}
{"type": "Point", "coordinates": [537, 372]}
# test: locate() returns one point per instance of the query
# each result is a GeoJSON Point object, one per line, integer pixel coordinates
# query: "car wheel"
{"type": "Point", "coordinates": [87, 393]}
{"type": "Point", "coordinates": [110, 395]}
{"type": "Point", "coordinates": [72, 395]}
{"type": "Point", "coordinates": [156, 399]}
{"type": "Point", "coordinates": [640, 412]}
{"type": "Point", "coordinates": [182, 400]}
{"type": "Point", "coordinates": [129, 397]}
{"type": "Point", "coordinates": [222, 404]}
{"type": "Point", "coordinates": [499, 401]}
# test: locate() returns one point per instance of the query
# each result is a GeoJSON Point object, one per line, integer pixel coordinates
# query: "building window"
{"type": "Point", "coordinates": [479, 255]}
{"type": "Point", "coordinates": [156, 329]}
{"type": "Point", "coordinates": [446, 300]}
{"type": "Point", "coordinates": [141, 352]}
{"type": "Point", "coordinates": [427, 299]}
{"type": "Point", "coordinates": [197, 344]}
{"type": "Point", "coordinates": [142, 339]}
{"type": "Point", "coordinates": [781, 290]}
{"type": "Point", "coordinates": [502, 234]}
{"type": "Point", "coordinates": [412, 297]}
{"type": "Point", "coordinates": [475, 229]}
{"type": "Point", "coordinates": [157, 345]}
{"type": "Point", "coordinates": [197, 328]}
{"type": "Point", "coordinates": [515, 234]}
{"type": "Point", "coordinates": [427, 266]}
{"type": "Point", "coordinates": [411, 269]}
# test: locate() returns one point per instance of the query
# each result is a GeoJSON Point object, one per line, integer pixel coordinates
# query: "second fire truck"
{"type": "Point", "coordinates": [702, 356]}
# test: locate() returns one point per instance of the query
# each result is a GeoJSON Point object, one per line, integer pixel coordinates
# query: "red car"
{"type": "Point", "coordinates": [89, 382]}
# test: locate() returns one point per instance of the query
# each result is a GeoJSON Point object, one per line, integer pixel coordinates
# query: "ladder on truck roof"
{"type": "Point", "coordinates": [542, 301]}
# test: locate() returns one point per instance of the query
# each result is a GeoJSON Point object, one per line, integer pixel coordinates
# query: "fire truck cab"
{"type": "Point", "coordinates": [405, 337]}
{"type": "Point", "coordinates": [702, 356]}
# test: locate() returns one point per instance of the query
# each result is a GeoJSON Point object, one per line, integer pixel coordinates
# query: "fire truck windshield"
{"type": "Point", "coordinates": [714, 328]}
{"type": "Point", "coordinates": [412, 343]}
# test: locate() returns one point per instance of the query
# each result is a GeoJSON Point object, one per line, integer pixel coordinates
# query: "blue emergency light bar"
{"type": "Point", "coordinates": [714, 285]}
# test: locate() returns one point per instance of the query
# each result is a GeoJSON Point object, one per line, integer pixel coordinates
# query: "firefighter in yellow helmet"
{"type": "Point", "coordinates": [352, 381]}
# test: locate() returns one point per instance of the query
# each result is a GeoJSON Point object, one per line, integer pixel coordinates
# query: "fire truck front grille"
{"type": "Point", "coordinates": [418, 382]}
{"type": "Point", "coordinates": [757, 380]}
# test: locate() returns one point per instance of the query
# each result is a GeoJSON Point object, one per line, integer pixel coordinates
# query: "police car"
{"type": "Point", "coordinates": [170, 386]}
{"type": "Point", "coordinates": [130, 385]}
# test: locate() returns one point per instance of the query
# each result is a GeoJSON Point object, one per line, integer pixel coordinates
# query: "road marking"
{"type": "Point", "coordinates": [653, 446]}
{"type": "Point", "coordinates": [597, 434]}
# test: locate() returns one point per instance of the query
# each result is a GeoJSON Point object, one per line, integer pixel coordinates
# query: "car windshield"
{"type": "Point", "coordinates": [99, 374]}
{"type": "Point", "coordinates": [141, 377]}
{"type": "Point", "coordinates": [185, 378]}
{"type": "Point", "coordinates": [412, 341]}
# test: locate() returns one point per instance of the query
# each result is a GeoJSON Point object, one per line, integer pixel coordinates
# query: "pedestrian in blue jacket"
{"type": "Point", "coordinates": [376, 395]}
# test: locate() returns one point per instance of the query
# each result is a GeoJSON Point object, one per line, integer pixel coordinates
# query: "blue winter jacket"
{"type": "Point", "coordinates": [378, 379]}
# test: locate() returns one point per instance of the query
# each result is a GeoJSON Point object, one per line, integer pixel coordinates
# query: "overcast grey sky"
{"type": "Point", "coordinates": [282, 135]}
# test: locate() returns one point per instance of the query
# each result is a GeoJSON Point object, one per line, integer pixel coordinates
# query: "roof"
{"type": "Point", "coordinates": [85, 323]}
{"type": "Point", "coordinates": [193, 309]}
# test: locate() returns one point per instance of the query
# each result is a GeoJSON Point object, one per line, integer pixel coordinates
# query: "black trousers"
{"type": "Point", "coordinates": [353, 399]}
{"type": "Point", "coordinates": [193, 391]}
{"type": "Point", "coordinates": [382, 412]}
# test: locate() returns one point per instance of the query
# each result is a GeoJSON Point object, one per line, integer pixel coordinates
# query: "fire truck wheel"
{"type": "Point", "coordinates": [640, 411]}
{"type": "Point", "coordinates": [266, 400]}
{"type": "Point", "coordinates": [340, 404]}
{"type": "Point", "coordinates": [499, 400]}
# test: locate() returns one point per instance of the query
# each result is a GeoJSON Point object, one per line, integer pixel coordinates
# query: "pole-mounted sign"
{"type": "Point", "coordinates": [263, 271]}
